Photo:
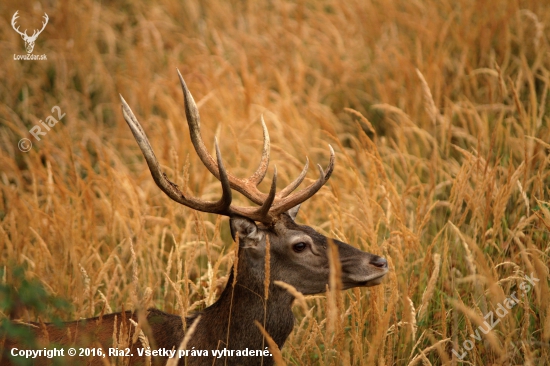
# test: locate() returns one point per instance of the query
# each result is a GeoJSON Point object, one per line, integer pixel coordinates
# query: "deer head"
{"type": "Point", "coordinates": [298, 253]}
{"type": "Point", "coordinates": [299, 256]}
{"type": "Point", "coordinates": [29, 41]}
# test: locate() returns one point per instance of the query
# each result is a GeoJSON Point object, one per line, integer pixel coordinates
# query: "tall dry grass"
{"type": "Point", "coordinates": [438, 111]}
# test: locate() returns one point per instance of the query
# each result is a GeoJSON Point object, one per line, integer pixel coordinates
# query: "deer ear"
{"type": "Point", "coordinates": [246, 229]}
{"type": "Point", "coordinates": [293, 212]}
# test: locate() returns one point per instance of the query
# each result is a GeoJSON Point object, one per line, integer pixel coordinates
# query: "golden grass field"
{"type": "Point", "coordinates": [438, 113]}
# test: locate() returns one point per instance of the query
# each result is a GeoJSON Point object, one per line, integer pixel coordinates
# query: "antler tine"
{"type": "Point", "coordinates": [225, 201]}
{"type": "Point", "coordinates": [259, 174]}
{"type": "Point", "coordinates": [245, 186]}
{"type": "Point", "coordinates": [287, 203]}
{"type": "Point", "coordinates": [46, 18]}
{"type": "Point", "coordinates": [194, 122]}
{"type": "Point", "coordinates": [14, 21]}
{"type": "Point", "coordinates": [292, 186]}
{"type": "Point", "coordinates": [37, 32]}
{"type": "Point", "coordinates": [220, 207]}
{"type": "Point", "coordinates": [266, 206]}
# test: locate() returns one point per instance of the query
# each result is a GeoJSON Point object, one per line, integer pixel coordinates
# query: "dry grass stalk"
{"type": "Point", "coordinates": [115, 338]}
{"type": "Point", "coordinates": [87, 289]}
{"type": "Point", "coordinates": [525, 199]}
{"type": "Point", "coordinates": [139, 334]}
{"type": "Point", "coordinates": [273, 348]}
{"type": "Point", "coordinates": [414, 327]}
{"type": "Point", "coordinates": [429, 104]}
{"type": "Point", "coordinates": [147, 298]}
{"type": "Point", "coordinates": [105, 301]}
{"type": "Point", "coordinates": [179, 298]}
{"type": "Point", "coordinates": [539, 26]}
{"type": "Point", "coordinates": [168, 268]}
{"type": "Point", "coordinates": [479, 320]}
{"type": "Point", "coordinates": [335, 284]}
{"type": "Point", "coordinates": [183, 345]}
{"type": "Point", "coordinates": [469, 257]}
{"type": "Point", "coordinates": [422, 355]}
{"type": "Point", "coordinates": [135, 279]}
{"type": "Point", "coordinates": [362, 118]}
{"type": "Point", "coordinates": [267, 270]}
{"type": "Point", "coordinates": [235, 274]}
{"type": "Point", "coordinates": [428, 293]}
{"type": "Point", "coordinates": [267, 278]}
{"type": "Point", "coordinates": [297, 294]}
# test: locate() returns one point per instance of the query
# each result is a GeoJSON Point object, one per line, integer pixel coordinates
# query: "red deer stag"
{"type": "Point", "coordinates": [298, 256]}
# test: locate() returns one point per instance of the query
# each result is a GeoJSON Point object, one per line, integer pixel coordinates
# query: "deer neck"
{"type": "Point", "coordinates": [238, 307]}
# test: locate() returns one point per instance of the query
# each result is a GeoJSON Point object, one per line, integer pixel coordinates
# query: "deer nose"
{"type": "Point", "coordinates": [379, 262]}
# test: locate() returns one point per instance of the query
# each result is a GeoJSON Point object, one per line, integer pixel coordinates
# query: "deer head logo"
{"type": "Point", "coordinates": [29, 40]}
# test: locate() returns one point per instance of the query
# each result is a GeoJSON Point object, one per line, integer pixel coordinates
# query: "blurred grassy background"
{"type": "Point", "coordinates": [438, 112]}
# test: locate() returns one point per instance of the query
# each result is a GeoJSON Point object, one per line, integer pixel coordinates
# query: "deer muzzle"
{"type": "Point", "coordinates": [363, 270]}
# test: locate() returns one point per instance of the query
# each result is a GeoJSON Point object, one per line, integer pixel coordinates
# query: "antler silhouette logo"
{"type": "Point", "coordinates": [29, 41]}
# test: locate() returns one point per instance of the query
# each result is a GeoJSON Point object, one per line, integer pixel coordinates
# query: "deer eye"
{"type": "Point", "coordinates": [299, 247]}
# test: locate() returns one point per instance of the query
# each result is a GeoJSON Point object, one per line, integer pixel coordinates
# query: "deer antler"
{"type": "Point", "coordinates": [271, 204]}
{"type": "Point", "coordinates": [35, 34]}
{"type": "Point", "coordinates": [13, 21]}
